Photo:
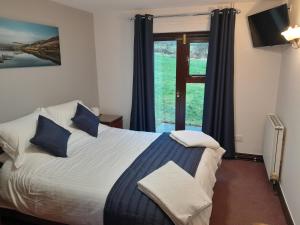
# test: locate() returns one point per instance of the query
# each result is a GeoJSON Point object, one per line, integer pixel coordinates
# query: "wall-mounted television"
{"type": "Point", "coordinates": [266, 26]}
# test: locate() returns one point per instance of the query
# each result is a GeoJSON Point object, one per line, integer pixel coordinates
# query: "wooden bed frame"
{"type": "Point", "coordinates": [15, 217]}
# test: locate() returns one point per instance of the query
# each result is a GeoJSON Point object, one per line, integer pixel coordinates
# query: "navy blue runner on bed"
{"type": "Point", "coordinates": [126, 205]}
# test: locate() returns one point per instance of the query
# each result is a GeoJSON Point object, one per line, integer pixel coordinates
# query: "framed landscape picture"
{"type": "Point", "coordinates": [24, 44]}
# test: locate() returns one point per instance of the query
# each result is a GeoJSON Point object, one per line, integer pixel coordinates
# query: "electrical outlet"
{"type": "Point", "coordinates": [239, 138]}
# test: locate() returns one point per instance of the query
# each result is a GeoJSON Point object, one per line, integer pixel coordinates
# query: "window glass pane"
{"type": "Point", "coordinates": [194, 106]}
{"type": "Point", "coordinates": [198, 58]}
{"type": "Point", "coordinates": [165, 84]}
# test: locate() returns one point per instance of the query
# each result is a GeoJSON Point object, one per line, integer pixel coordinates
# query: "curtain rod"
{"type": "Point", "coordinates": [187, 14]}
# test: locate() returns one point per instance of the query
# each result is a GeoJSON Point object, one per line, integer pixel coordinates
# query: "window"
{"type": "Point", "coordinates": [198, 58]}
{"type": "Point", "coordinates": [180, 70]}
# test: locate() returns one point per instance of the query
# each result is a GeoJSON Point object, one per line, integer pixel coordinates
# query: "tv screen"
{"type": "Point", "coordinates": [266, 26]}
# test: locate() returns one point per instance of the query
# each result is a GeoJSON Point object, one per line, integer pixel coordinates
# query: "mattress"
{"type": "Point", "coordinates": [74, 190]}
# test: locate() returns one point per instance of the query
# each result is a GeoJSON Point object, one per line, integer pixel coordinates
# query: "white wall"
{"type": "Point", "coordinates": [114, 48]}
{"type": "Point", "coordinates": [24, 89]}
{"type": "Point", "coordinates": [288, 109]}
{"type": "Point", "coordinates": [256, 70]}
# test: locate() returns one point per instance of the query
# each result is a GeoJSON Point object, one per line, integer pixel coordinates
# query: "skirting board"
{"type": "Point", "coordinates": [249, 157]}
{"type": "Point", "coordinates": [277, 188]}
{"type": "Point", "coordinates": [284, 205]}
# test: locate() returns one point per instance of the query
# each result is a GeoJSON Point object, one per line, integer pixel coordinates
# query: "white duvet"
{"type": "Point", "coordinates": [74, 190]}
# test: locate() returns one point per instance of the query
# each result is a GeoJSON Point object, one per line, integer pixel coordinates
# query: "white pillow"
{"type": "Point", "coordinates": [15, 135]}
{"type": "Point", "coordinates": [63, 113]}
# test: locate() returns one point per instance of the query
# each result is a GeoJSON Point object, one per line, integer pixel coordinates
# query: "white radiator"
{"type": "Point", "coordinates": [273, 146]}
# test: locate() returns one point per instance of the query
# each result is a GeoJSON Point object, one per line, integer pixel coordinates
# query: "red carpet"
{"type": "Point", "coordinates": [243, 196]}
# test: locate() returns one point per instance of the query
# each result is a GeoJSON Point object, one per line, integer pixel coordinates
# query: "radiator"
{"type": "Point", "coordinates": [273, 146]}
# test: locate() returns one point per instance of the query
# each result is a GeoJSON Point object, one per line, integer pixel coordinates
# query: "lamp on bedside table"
{"type": "Point", "coordinates": [96, 111]}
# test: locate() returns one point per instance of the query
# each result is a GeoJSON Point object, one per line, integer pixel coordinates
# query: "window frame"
{"type": "Point", "coordinates": [196, 78]}
{"type": "Point", "coordinates": [191, 37]}
{"type": "Point", "coordinates": [182, 69]}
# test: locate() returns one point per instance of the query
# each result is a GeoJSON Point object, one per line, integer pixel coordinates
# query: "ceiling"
{"type": "Point", "coordinates": [92, 5]}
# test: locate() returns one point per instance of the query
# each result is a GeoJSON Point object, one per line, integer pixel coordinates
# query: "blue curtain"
{"type": "Point", "coordinates": [218, 115]}
{"type": "Point", "coordinates": [142, 111]}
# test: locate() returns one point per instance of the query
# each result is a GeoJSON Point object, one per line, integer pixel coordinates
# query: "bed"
{"type": "Point", "coordinates": [74, 190]}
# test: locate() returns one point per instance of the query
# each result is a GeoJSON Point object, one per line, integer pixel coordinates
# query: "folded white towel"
{"type": "Point", "coordinates": [194, 139]}
{"type": "Point", "coordinates": [177, 193]}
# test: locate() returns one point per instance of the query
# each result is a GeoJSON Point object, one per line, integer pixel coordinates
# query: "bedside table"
{"type": "Point", "coordinates": [111, 120]}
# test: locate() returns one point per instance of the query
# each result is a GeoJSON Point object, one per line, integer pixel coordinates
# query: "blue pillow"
{"type": "Point", "coordinates": [85, 120]}
{"type": "Point", "coordinates": [51, 137]}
